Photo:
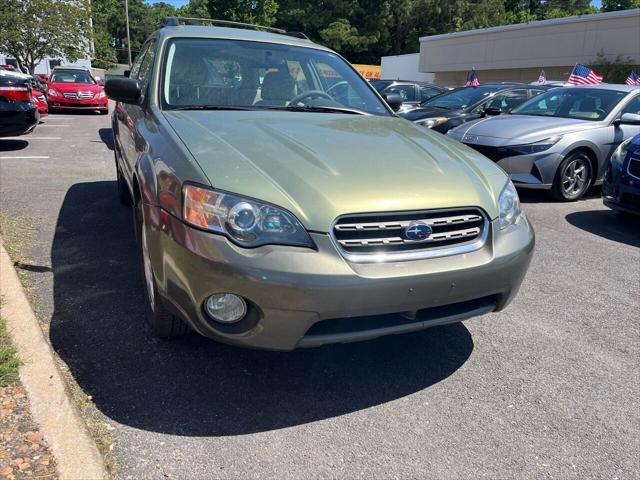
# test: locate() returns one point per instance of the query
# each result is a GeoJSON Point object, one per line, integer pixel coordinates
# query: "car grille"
{"type": "Point", "coordinates": [78, 95]}
{"type": "Point", "coordinates": [367, 237]}
{"type": "Point", "coordinates": [634, 164]}
{"type": "Point", "coordinates": [494, 153]}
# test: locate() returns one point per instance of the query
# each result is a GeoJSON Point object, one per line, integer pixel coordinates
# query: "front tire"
{"type": "Point", "coordinates": [163, 324]}
{"type": "Point", "coordinates": [573, 178]}
{"type": "Point", "coordinates": [124, 195]}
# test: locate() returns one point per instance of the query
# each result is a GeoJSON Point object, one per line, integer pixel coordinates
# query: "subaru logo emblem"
{"type": "Point", "coordinates": [417, 231]}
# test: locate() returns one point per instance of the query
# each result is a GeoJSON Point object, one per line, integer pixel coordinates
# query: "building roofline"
{"type": "Point", "coordinates": [538, 23]}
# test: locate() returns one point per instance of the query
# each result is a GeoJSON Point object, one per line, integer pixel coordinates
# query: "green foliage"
{"type": "Point", "coordinates": [611, 5]}
{"type": "Point", "coordinates": [259, 12]}
{"type": "Point", "coordinates": [613, 71]}
{"type": "Point", "coordinates": [9, 362]}
{"type": "Point", "coordinates": [34, 29]}
{"type": "Point", "coordinates": [361, 30]}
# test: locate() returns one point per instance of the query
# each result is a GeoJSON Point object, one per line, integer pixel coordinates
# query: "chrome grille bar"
{"type": "Point", "coordinates": [396, 225]}
{"type": "Point", "coordinates": [380, 237]}
{"type": "Point", "coordinates": [436, 237]}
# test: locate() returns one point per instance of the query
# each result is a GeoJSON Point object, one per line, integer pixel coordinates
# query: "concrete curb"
{"type": "Point", "coordinates": [52, 406]}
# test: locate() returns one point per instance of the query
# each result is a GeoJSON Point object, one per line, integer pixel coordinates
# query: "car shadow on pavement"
{"type": "Point", "coordinates": [618, 227]}
{"type": "Point", "coordinates": [544, 196]}
{"type": "Point", "coordinates": [12, 145]}
{"type": "Point", "coordinates": [194, 386]}
{"type": "Point", "coordinates": [106, 136]}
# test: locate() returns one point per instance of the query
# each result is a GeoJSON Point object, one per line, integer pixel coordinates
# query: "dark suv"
{"type": "Point", "coordinates": [450, 109]}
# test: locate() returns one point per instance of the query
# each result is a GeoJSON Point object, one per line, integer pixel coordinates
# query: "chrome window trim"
{"type": "Point", "coordinates": [436, 252]}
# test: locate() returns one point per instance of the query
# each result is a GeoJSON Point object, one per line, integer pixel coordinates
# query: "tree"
{"type": "Point", "coordinates": [613, 71]}
{"type": "Point", "coordinates": [611, 5]}
{"type": "Point", "coordinates": [195, 9]}
{"type": "Point", "coordinates": [35, 29]}
{"type": "Point", "coordinates": [260, 12]}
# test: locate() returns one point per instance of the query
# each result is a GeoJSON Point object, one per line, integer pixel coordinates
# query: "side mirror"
{"type": "Point", "coordinates": [125, 90]}
{"type": "Point", "coordinates": [127, 73]}
{"type": "Point", "coordinates": [394, 100]}
{"type": "Point", "coordinates": [629, 119]}
{"type": "Point", "coordinates": [492, 111]}
{"type": "Point", "coordinates": [101, 83]}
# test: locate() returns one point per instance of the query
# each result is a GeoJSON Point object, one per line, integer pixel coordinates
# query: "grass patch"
{"type": "Point", "coordinates": [9, 361]}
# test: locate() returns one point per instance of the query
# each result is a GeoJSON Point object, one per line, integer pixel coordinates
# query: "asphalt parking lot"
{"type": "Point", "coordinates": [549, 388]}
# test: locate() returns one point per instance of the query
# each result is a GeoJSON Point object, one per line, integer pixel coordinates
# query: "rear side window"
{"type": "Point", "coordinates": [427, 92]}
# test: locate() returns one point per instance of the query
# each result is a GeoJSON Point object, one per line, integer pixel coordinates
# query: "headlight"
{"type": "Point", "coordinates": [620, 153]}
{"type": "Point", "coordinates": [101, 94]}
{"type": "Point", "coordinates": [509, 205]}
{"type": "Point", "coordinates": [247, 222]}
{"type": "Point", "coordinates": [53, 93]}
{"type": "Point", "coordinates": [431, 122]}
{"type": "Point", "coordinates": [536, 147]}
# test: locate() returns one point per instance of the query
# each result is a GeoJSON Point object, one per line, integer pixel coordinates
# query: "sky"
{"type": "Point", "coordinates": [179, 3]}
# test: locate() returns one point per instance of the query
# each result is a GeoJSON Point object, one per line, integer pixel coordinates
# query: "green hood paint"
{"type": "Point", "coordinates": [319, 165]}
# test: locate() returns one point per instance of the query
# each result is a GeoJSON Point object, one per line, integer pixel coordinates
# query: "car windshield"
{"type": "Point", "coordinates": [215, 73]}
{"type": "Point", "coordinates": [580, 103]}
{"type": "Point", "coordinates": [71, 76]}
{"type": "Point", "coordinates": [461, 97]}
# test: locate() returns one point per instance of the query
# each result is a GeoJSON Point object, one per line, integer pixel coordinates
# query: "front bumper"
{"type": "Point", "coordinates": [536, 171]}
{"type": "Point", "coordinates": [621, 191]}
{"type": "Point", "coordinates": [68, 104]}
{"type": "Point", "coordinates": [290, 289]}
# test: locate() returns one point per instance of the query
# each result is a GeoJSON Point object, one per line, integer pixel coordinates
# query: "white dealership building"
{"type": "Point", "coordinates": [518, 52]}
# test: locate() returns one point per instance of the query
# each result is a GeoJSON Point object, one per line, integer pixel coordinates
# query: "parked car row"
{"type": "Point", "coordinates": [26, 99]}
{"type": "Point", "coordinates": [555, 137]}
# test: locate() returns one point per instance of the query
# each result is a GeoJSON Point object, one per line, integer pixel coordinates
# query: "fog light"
{"type": "Point", "coordinates": [226, 307]}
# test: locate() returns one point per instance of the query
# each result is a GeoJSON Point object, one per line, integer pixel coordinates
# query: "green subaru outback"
{"type": "Point", "coordinates": [280, 203]}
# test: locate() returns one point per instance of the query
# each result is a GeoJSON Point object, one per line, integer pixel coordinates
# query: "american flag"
{"type": "Point", "coordinates": [633, 78]}
{"type": "Point", "coordinates": [472, 80]}
{"type": "Point", "coordinates": [581, 75]}
{"type": "Point", "coordinates": [542, 78]}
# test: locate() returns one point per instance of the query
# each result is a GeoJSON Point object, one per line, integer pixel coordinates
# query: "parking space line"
{"type": "Point", "coordinates": [24, 156]}
{"type": "Point", "coordinates": [26, 139]}
{"type": "Point", "coordinates": [57, 125]}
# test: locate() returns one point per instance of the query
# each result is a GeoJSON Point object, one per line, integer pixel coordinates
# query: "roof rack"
{"type": "Point", "coordinates": [176, 21]}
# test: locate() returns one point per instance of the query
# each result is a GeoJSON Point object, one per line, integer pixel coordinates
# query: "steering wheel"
{"type": "Point", "coordinates": [336, 85]}
{"type": "Point", "coordinates": [310, 94]}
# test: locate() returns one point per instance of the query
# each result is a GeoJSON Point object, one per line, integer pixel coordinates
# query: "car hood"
{"type": "Point", "coordinates": [75, 87]}
{"type": "Point", "coordinates": [517, 129]}
{"type": "Point", "coordinates": [420, 113]}
{"type": "Point", "coordinates": [320, 166]}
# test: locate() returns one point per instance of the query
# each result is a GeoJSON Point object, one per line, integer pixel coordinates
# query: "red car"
{"type": "Point", "coordinates": [73, 88]}
{"type": "Point", "coordinates": [40, 101]}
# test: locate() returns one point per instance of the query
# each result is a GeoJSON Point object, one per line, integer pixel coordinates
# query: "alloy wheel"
{"type": "Point", "coordinates": [575, 177]}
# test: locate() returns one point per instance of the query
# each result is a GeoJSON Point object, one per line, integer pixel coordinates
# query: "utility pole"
{"type": "Point", "coordinates": [126, 12]}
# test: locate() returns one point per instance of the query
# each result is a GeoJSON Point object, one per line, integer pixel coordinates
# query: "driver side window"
{"type": "Point", "coordinates": [633, 106]}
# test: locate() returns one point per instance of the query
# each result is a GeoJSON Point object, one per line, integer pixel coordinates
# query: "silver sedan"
{"type": "Point", "coordinates": [560, 140]}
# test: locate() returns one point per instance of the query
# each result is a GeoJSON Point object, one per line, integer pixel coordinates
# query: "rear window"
{"type": "Point", "coordinates": [11, 81]}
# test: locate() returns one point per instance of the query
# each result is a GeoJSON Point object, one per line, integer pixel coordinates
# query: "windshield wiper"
{"type": "Point", "coordinates": [309, 108]}
{"type": "Point", "coordinates": [212, 107]}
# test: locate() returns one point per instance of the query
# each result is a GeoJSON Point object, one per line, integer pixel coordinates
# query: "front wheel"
{"type": "Point", "coordinates": [163, 323]}
{"type": "Point", "coordinates": [573, 178]}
